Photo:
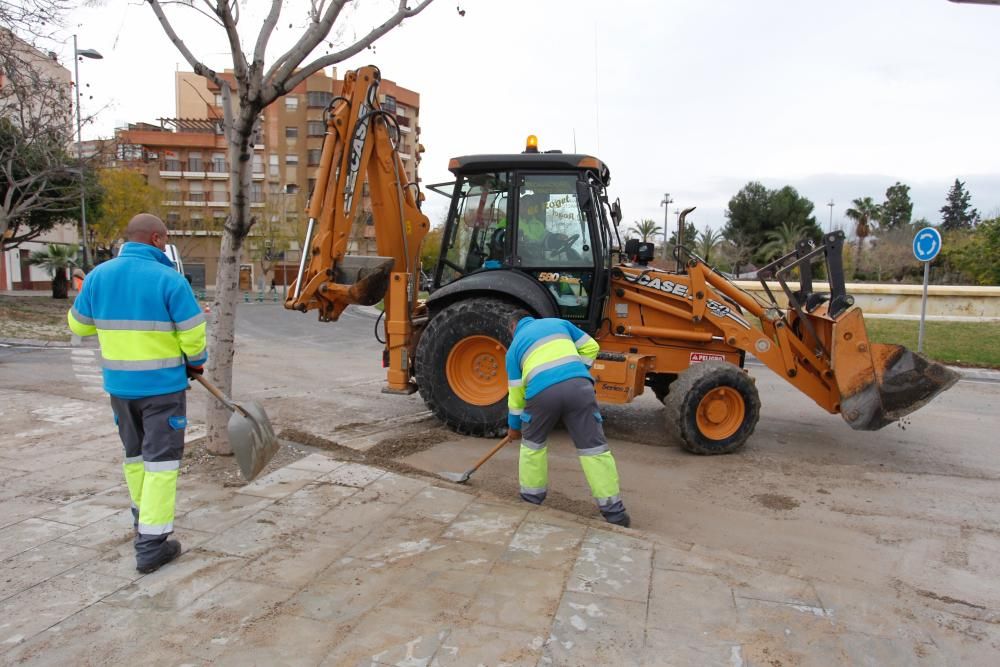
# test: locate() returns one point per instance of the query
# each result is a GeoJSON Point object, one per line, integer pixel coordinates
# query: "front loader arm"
{"type": "Point", "coordinates": [359, 146]}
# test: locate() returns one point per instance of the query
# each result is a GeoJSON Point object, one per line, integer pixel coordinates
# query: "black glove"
{"type": "Point", "coordinates": [194, 371]}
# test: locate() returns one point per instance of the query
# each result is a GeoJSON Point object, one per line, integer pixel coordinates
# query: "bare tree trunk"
{"type": "Point", "coordinates": [222, 347]}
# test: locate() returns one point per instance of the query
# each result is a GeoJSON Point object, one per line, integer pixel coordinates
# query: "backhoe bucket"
{"type": "Point", "coordinates": [880, 383]}
{"type": "Point", "coordinates": [368, 277]}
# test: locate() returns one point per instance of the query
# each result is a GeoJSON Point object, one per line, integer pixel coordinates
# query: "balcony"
{"type": "Point", "coordinates": [170, 169]}
{"type": "Point", "coordinates": [217, 169]}
{"type": "Point", "coordinates": [194, 199]}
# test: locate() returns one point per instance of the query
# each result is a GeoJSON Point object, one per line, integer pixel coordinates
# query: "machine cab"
{"type": "Point", "coordinates": [535, 213]}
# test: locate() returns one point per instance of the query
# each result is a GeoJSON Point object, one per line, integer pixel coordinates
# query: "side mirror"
{"type": "Point", "coordinates": [616, 211]}
{"type": "Point", "coordinates": [584, 195]}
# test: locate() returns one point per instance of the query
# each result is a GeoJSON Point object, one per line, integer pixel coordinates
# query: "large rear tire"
{"type": "Point", "coordinates": [712, 408]}
{"type": "Point", "coordinates": [460, 365]}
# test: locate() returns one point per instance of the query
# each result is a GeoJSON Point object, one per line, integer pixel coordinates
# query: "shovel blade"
{"type": "Point", "coordinates": [252, 439]}
{"type": "Point", "coordinates": [457, 477]}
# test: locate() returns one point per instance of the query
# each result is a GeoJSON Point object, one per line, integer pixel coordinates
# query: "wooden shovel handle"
{"type": "Point", "coordinates": [493, 451]}
{"type": "Point", "coordinates": [214, 391]}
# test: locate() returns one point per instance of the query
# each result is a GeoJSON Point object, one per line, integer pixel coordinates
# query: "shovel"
{"type": "Point", "coordinates": [463, 477]}
{"type": "Point", "coordinates": [250, 433]}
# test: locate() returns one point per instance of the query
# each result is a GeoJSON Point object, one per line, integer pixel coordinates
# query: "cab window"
{"type": "Point", "coordinates": [552, 229]}
{"type": "Point", "coordinates": [477, 234]}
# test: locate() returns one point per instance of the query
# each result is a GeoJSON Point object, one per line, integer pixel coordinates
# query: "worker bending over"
{"type": "Point", "coordinates": [549, 379]}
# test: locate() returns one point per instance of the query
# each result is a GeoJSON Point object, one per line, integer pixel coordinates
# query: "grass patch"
{"type": "Point", "coordinates": [35, 317]}
{"type": "Point", "coordinates": [958, 343]}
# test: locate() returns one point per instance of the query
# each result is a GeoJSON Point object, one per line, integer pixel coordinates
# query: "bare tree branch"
{"type": "Point", "coordinates": [196, 64]}
{"type": "Point", "coordinates": [304, 72]}
{"type": "Point", "coordinates": [320, 28]}
{"type": "Point", "coordinates": [265, 33]}
{"type": "Point", "coordinates": [235, 46]}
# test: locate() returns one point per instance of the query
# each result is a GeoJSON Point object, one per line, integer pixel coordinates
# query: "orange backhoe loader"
{"type": "Point", "coordinates": [536, 233]}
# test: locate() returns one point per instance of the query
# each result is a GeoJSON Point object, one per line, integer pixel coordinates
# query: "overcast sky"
{"type": "Point", "coordinates": [839, 99]}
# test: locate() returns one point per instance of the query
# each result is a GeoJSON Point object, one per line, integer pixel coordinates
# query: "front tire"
{"type": "Point", "coordinates": [712, 408]}
{"type": "Point", "coordinates": [461, 365]}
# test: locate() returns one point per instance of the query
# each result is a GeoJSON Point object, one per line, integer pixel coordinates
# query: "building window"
{"type": "Point", "coordinates": [219, 191]}
{"type": "Point", "coordinates": [291, 102]}
{"type": "Point", "coordinates": [401, 110]}
{"type": "Point", "coordinates": [194, 161]}
{"type": "Point", "coordinates": [196, 193]}
{"type": "Point", "coordinates": [314, 155]}
{"type": "Point", "coordinates": [291, 158]}
{"type": "Point", "coordinates": [319, 98]}
{"type": "Point", "coordinates": [258, 163]}
{"type": "Point", "coordinates": [256, 193]}
{"type": "Point", "coordinates": [316, 128]}
{"type": "Point", "coordinates": [389, 104]}
{"type": "Point", "coordinates": [291, 132]}
{"type": "Point", "coordinates": [218, 163]}
{"type": "Point", "coordinates": [218, 99]}
{"type": "Point", "coordinates": [173, 217]}
{"type": "Point", "coordinates": [273, 162]}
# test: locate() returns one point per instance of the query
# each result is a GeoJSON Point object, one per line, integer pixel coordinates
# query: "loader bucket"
{"type": "Point", "coordinates": [881, 383]}
{"type": "Point", "coordinates": [368, 277]}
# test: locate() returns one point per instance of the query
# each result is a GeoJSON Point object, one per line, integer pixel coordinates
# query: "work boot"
{"type": "Point", "coordinates": [171, 549]}
{"type": "Point", "coordinates": [619, 519]}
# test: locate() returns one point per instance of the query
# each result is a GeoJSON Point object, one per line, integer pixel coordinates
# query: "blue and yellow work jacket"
{"type": "Point", "coordinates": [543, 353]}
{"type": "Point", "coordinates": [147, 319]}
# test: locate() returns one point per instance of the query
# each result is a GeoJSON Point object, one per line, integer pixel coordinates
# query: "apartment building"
{"type": "Point", "coordinates": [186, 158]}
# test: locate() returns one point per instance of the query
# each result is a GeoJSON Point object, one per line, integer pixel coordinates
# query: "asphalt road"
{"type": "Point", "coordinates": [911, 510]}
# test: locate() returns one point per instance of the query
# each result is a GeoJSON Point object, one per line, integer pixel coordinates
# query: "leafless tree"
{"type": "Point", "coordinates": [254, 85]}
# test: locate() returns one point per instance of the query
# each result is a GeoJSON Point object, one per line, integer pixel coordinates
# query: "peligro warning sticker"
{"type": "Point", "coordinates": [698, 357]}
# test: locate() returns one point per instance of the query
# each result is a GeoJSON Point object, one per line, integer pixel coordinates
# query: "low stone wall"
{"type": "Point", "coordinates": [944, 302]}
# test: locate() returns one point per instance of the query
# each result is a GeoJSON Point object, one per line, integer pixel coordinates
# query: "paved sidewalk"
{"type": "Point", "coordinates": [326, 562]}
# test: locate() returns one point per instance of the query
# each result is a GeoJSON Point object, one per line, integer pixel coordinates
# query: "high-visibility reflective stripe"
{"type": "Point", "coordinates": [82, 319]}
{"type": "Point", "coordinates": [159, 529]}
{"type": "Point", "coordinates": [130, 345]}
{"type": "Point", "coordinates": [134, 325]}
{"type": "Point", "coordinates": [584, 340]}
{"type": "Point", "coordinates": [601, 474]}
{"type": "Point", "coordinates": [133, 459]}
{"type": "Point", "coordinates": [534, 490]}
{"type": "Point", "coordinates": [514, 383]}
{"type": "Point", "coordinates": [550, 364]}
{"type": "Point", "coordinates": [161, 466]}
{"type": "Point", "coordinates": [516, 411]}
{"type": "Point", "coordinates": [190, 322]}
{"type": "Point", "coordinates": [533, 445]}
{"type": "Point", "coordinates": [592, 451]}
{"type": "Point", "coordinates": [604, 502]}
{"type": "Point", "coordinates": [148, 365]}
{"type": "Point", "coordinates": [543, 341]}
{"type": "Point", "coordinates": [587, 361]}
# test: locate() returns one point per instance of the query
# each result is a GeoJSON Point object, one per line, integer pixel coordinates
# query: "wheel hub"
{"type": "Point", "coordinates": [720, 413]}
{"type": "Point", "coordinates": [475, 370]}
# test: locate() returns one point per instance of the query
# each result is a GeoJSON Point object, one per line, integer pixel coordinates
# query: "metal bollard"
{"type": "Point", "coordinates": [246, 297]}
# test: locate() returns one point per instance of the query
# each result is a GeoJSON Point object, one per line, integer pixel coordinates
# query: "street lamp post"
{"type": "Point", "coordinates": [667, 201]}
{"type": "Point", "coordinates": [77, 54]}
{"type": "Point", "coordinates": [830, 204]}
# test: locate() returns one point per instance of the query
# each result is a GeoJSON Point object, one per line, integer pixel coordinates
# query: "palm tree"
{"type": "Point", "coordinates": [646, 228]}
{"type": "Point", "coordinates": [56, 259]}
{"type": "Point", "coordinates": [864, 214]}
{"type": "Point", "coordinates": [707, 241]}
{"type": "Point", "coordinates": [783, 240]}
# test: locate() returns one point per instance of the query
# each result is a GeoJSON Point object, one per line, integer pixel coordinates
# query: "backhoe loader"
{"type": "Point", "coordinates": [535, 233]}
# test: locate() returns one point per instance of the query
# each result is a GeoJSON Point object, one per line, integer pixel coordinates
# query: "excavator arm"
{"type": "Point", "coordinates": [360, 146]}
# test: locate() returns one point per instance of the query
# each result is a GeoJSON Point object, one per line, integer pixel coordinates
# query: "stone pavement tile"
{"type": "Point", "coordinates": [314, 500]}
{"type": "Point", "coordinates": [194, 493]}
{"type": "Point", "coordinates": [18, 509]}
{"type": "Point", "coordinates": [85, 512]}
{"type": "Point", "coordinates": [463, 582]}
{"type": "Point", "coordinates": [353, 518]}
{"type": "Point", "coordinates": [614, 565]}
{"type": "Point", "coordinates": [34, 566]}
{"type": "Point", "coordinates": [98, 635]}
{"type": "Point", "coordinates": [279, 483]}
{"type": "Point", "coordinates": [319, 463]}
{"type": "Point", "coordinates": [460, 556]}
{"type": "Point", "coordinates": [9, 474]}
{"type": "Point", "coordinates": [390, 637]}
{"type": "Point", "coordinates": [178, 584]}
{"type": "Point", "coordinates": [481, 644]}
{"type": "Point", "coordinates": [105, 534]}
{"type": "Point", "coordinates": [257, 534]}
{"type": "Point", "coordinates": [482, 522]}
{"type": "Point", "coordinates": [594, 630]}
{"type": "Point", "coordinates": [871, 614]}
{"type": "Point", "coordinates": [676, 648]}
{"type": "Point", "coordinates": [29, 533]}
{"type": "Point", "coordinates": [791, 634]}
{"type": "Point", "coordinates": [354, 474]}
{"type": "Point", "coordinates": [544, 545]}
{"type": "Point", "coordinates": [224, 514]}
{"type": "Point", "coordinates": [50, 460]}
{"type": "Point", "coordinates": [777, 588]}
{"type": "Point", "coordinates": [281, 639]}
{"type": "Point", "coordinates": [516, 597]}
{"type": "Point", "coordinates": [398, 539]}
{"type": "Point", "coordinates": [693, 603]}
{"type": "Point", "coordinates": [350, 588]}
{"type": "Point", "coordinates": [68, 491]}
{"type": "Point", "coordinates": [220, 618]}
{"type": "Point", "coordinates": [24, 615]}
{"type": "Point", "coordinates": [667, 557]}
{"type": "Point", "coordinates": [861, 649]}
{"type": "Point", "coordinates": [292, 566]}
{"type": "Point", "coordinates": [397, 489]}
{"type": "Point", "coordinates": [437, 504]}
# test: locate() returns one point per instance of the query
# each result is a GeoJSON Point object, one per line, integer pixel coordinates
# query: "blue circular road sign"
{"type": "Point", "coordinates": [927, 244]}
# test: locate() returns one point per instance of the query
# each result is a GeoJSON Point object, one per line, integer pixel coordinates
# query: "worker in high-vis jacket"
{"type": "Point", "coordinates": [548, 371]}
{"type": "Point", "coordinates": [152, 336]}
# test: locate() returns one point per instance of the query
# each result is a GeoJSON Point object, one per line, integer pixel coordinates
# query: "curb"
{"type": "Point", "coordinates": [31, 342]}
